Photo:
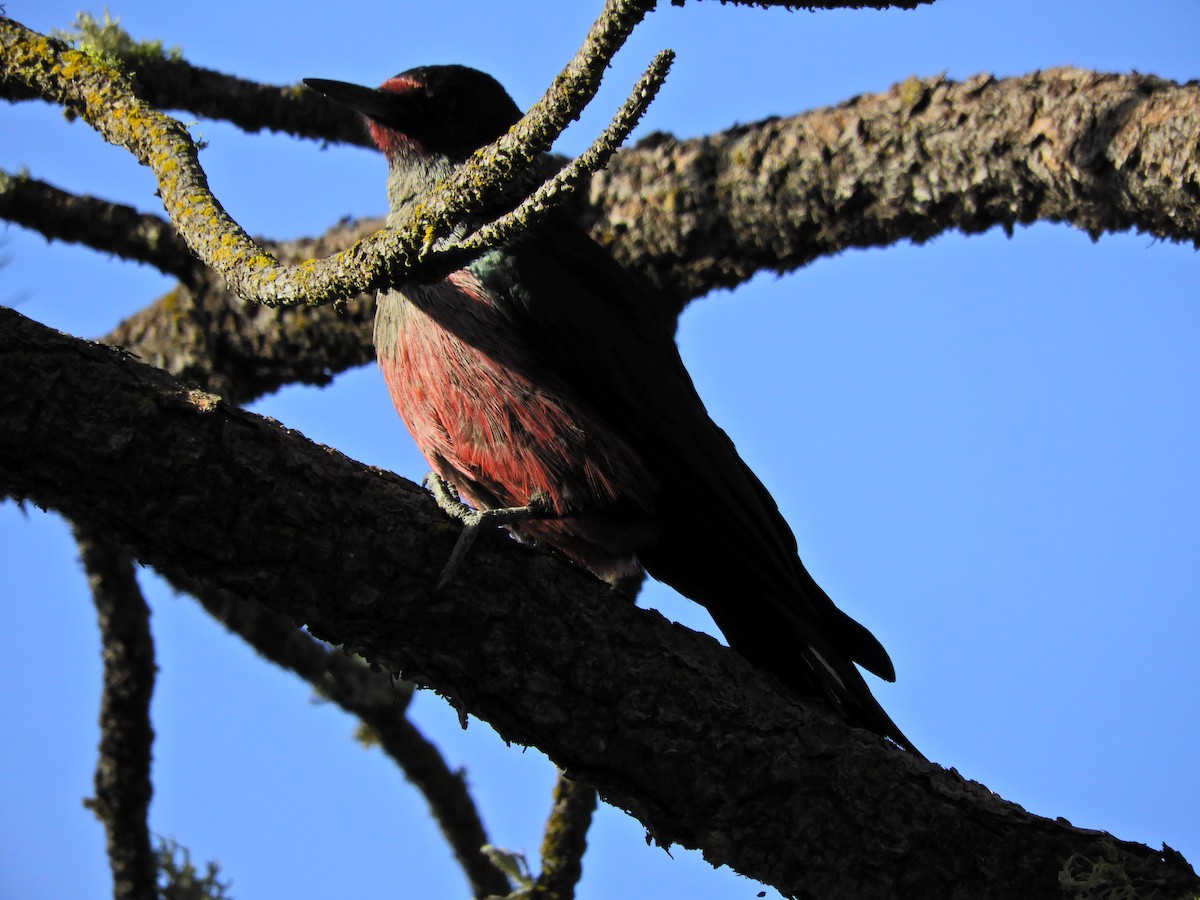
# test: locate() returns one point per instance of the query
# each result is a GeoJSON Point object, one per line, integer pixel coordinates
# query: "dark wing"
{"type": "Point", "coordinates": [724, 543]}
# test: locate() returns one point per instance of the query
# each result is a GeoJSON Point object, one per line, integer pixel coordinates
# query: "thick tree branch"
{"type": "Point", "coordinates": [123, 785]}
{"type": "Point", "coordinates": [657, 717]}
{"type": "Point", "coordinates": [1102, 152]}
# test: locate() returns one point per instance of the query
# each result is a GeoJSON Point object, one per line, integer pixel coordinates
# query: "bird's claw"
{"type": "Point", "coordinates": [473, 520]}
{"type": "Point", "coordinates": [446, 496]}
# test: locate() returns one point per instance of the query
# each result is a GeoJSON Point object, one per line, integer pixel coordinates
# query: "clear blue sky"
{"type": "Point", "coordinates": [987, 448]}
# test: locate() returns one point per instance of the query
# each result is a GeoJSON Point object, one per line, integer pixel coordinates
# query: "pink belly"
{"type": "Point", "coordinates": [504, 439]}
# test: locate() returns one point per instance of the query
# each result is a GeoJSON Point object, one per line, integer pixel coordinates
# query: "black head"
{"type": "Point", "coordinates": [447, 110]}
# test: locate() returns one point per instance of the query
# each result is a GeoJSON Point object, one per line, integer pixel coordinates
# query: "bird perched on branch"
{"type": "Point", "coordinates": [537, 377]}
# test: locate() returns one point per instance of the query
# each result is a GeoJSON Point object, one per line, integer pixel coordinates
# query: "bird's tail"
{"type": "Point", "coordinates": [853, 699]}
{"type": "Point", "coordinates": [819, 660]}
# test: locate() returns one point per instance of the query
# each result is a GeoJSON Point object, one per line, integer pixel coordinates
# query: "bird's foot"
{"type": "Point", "coordinates": [473, 520]}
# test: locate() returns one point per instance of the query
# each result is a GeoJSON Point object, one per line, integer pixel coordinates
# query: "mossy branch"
{"type": "Point", "coordinates": [572, 175]}
{"type": "Point", "coordinates": [100, 94]}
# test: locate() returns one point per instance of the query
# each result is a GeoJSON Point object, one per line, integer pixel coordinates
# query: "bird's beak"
{"type": "Point", "coordinates": [373, 103]}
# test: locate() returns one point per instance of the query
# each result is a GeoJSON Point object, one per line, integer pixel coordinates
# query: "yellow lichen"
{"type": "Point", "coordinates": [911, 91]}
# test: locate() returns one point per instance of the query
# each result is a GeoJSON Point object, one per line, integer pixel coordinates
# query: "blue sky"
{"type": "Point", "coordinates": [987, 448]}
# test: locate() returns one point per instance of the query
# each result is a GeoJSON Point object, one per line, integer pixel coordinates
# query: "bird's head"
{"type": "Point", "coordinates": [448, 111]}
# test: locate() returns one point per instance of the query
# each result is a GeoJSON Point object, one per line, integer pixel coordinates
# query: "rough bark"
{"type": "Point", "coordinates": [656, 716]}
{"type": "Point", "coordinates": [565, 840]}
{"type": "Point", "coordinates": [1100, 152]}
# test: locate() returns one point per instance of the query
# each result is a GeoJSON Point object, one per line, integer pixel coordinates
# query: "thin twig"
{"type": "Point", "coordinates": [472, 186]}
{"type": "Point", "coordinates": [123, 785]}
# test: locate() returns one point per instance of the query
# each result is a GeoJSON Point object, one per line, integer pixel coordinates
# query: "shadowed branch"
{"type": "Point", "coordinates": [99, 224]}
{"type": "Point", "coordinates": [381, 704]}
{"type": "Point", "coordinates": [565, 839]}
{"type": "Point", "coordinates": [123, 785]}
{"type": "Point", "coordinates": [656, 716]}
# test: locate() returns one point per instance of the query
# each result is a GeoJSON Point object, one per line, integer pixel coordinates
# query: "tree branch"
{"type": "Point", "coordinates": [1098, 151]}
{"type": "Point", "coordinates": [106, 100]}
{"type": "Point", "coordinates": [249, 105]}
{"type": "Point", "coordinates": [569, 177]}
{"type": "Point", "coordinates": [381, 704]}
{"type": "Point", "coordinates": [107, 227]}
{"type": "Point", "coordinates": [827, 4]}
{"type": "Point", "coordinates": [123, 785]}
{"type": "Point", "coordinates": [202, 333]}
{"type": "Point", "coordinates": [656, 716]}
{"type": "Point", "coordinates": [565, 839]}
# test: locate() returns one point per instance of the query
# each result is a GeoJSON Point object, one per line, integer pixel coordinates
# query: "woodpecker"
{"type": "Point", "coordinates": [537, 376]}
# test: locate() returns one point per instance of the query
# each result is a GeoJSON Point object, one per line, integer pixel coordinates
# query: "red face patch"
{"type": "Point", "coordinates": [390, 141]}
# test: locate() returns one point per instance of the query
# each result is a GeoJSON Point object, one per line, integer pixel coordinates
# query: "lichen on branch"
{"type": "Point", "coordinates": [92, 87]}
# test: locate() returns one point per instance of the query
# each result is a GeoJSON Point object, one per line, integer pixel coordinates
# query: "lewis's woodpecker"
{"type": "Point", "coordinates": [538, 376]}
